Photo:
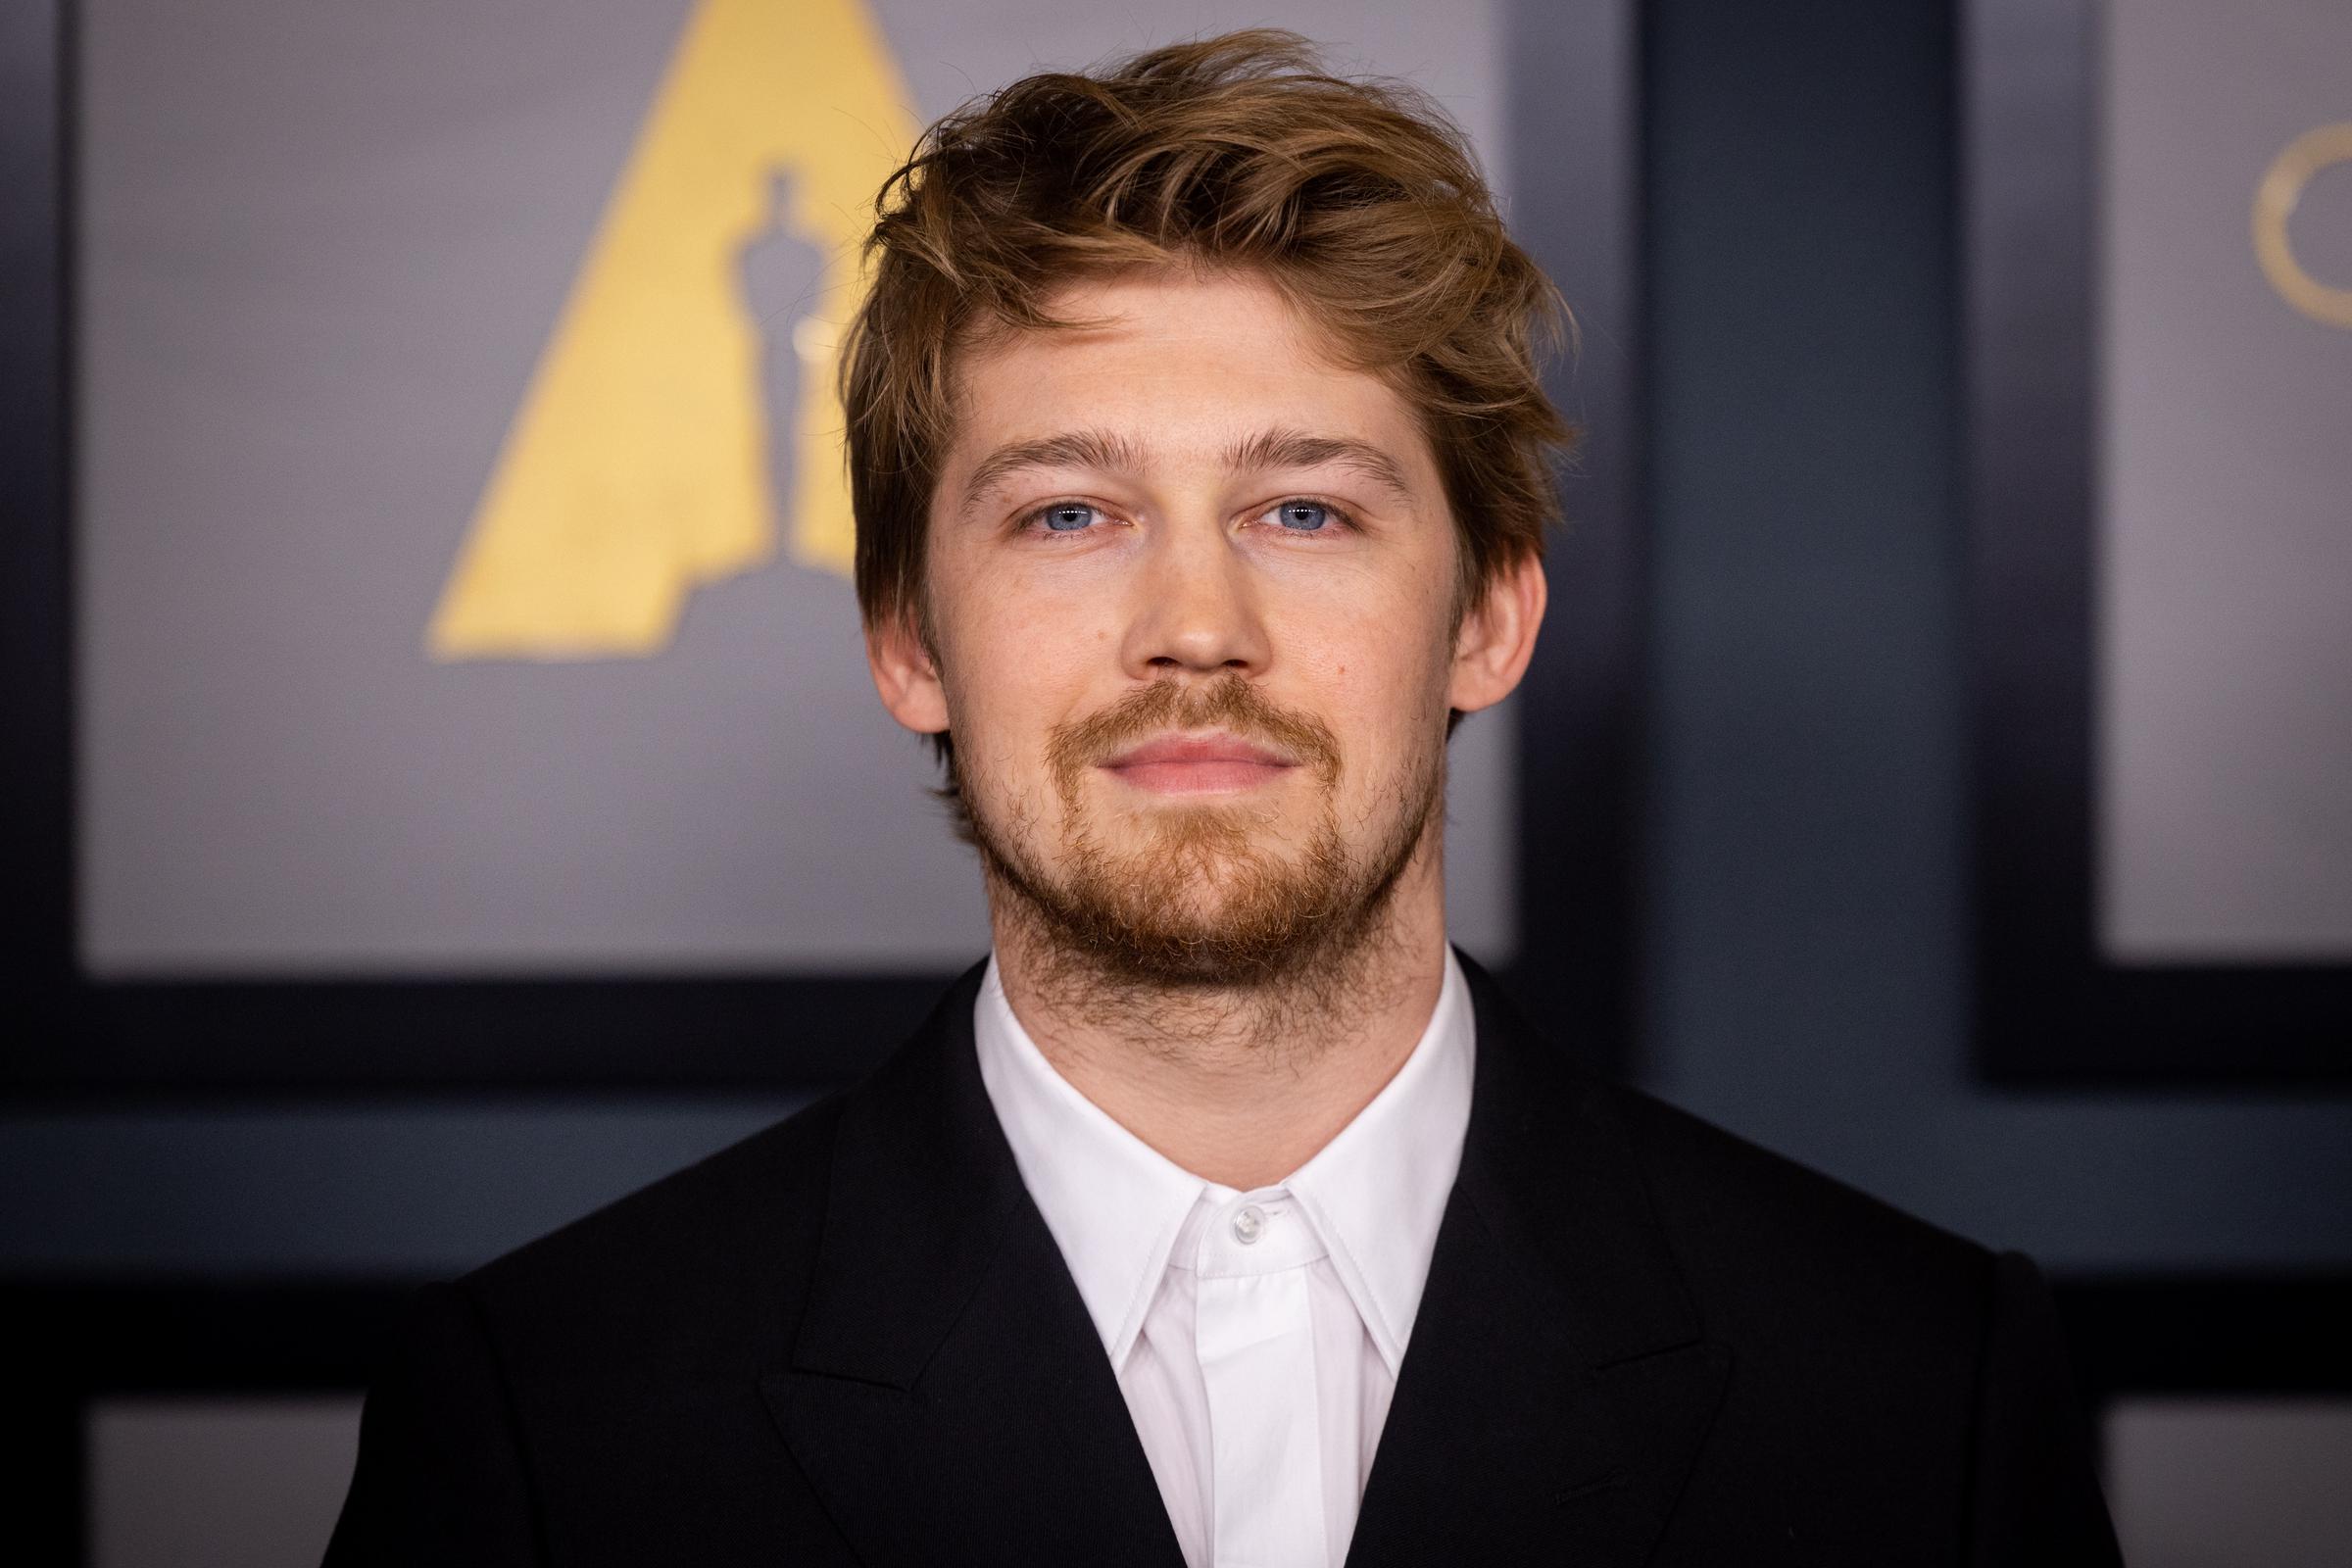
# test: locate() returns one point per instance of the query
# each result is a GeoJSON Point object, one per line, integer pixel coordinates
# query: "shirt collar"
{"type": "Point", "coordinates": [1114, 1205]}
{"type": "Point", "coordinates": [1378, 1191]}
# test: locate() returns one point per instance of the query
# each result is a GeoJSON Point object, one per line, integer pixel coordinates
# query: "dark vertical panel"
{"type": "Point", "coordinates": [36, 783]}
{"type": "Point", "coordinates": [1806, 867]}
{"type": "Point", "coordinates": [2031, 209]}
{"type": "Point", "coordinates": [1573, 84]}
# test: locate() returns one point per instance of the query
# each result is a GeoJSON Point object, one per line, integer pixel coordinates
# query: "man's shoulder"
{"type": "Point", "coordinates": [727, 1239]}
{"type": "Point", "coordinates": [1765, 1242]}
{"type": "Point", "coordinates": [1755, 1236]}
{"type": "Point", "coordinates": [1883, 1374]}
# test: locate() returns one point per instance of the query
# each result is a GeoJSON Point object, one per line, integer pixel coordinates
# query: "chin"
{"type": "Point", "coordinates": [1210, 910]}
{"type": "Point", "coordinates": [1234, 832]}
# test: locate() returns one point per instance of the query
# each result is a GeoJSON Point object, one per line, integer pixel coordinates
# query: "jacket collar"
{"type": "Point", "coordinates": [949, 1398]}
{"type": "Point", "coordinates": [946, 1395]}
{"type": "Point", "coordinates": [1558, 1386]}
{"type": "Point", "coordinates": [1113, 1203]}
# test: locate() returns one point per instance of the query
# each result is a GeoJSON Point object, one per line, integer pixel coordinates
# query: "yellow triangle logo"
{"type": "Point", "coordinates": [686, 397]}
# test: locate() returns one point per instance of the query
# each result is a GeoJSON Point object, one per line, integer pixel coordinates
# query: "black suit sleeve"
{"type": "Point", "coordinates": [441, 1478]}
{"type": "Point", "coordinates": [2033, 1496]}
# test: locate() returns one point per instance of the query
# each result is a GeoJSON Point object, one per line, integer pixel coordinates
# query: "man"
{"type": "Point", "coordinates": [1225, 1216]}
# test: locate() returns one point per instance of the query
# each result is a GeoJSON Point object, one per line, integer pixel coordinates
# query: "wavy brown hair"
{"type": "Point", "coordinates": [1358, 199]}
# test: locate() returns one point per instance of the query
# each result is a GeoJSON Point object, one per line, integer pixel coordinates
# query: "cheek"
{"type": "Point", "coordinates": [1015, 669]}
{"type": "Point", "coordinates": [1378, 663]}
{"type": "Point", "coordinates": [1382, 691]}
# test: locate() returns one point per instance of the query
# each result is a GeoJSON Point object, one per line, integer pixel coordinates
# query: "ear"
{"type": "Point", "coordinates": [906, 674]}
{"type": "Point", "coordinates": [1498, 636]}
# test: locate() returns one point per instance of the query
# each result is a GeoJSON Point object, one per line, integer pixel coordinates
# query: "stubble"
{"type": "Point", "coordinates": [1212, 919]}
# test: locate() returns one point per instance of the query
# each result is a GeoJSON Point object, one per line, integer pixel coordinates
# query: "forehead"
{"type": "Point", "coordinates": [1180, 364]}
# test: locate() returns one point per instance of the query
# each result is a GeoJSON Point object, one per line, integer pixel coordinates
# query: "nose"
{"type": "Point", "coordinates": [1195, 608]}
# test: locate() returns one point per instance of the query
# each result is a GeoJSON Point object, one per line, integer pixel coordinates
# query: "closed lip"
{"type": "Point", "coordinates": [1184, 748]}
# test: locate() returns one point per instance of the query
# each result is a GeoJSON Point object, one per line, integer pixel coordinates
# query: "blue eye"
{"type": "Point", "coordinates": [1303, 516]}
{"type": "Point", "coordinates": [1068, 516]}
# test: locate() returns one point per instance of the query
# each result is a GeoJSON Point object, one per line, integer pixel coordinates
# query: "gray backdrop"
{"type": "Point", "coordinates": [2226, 479]}
{"type": "Point", "coordinates": [321, 249]}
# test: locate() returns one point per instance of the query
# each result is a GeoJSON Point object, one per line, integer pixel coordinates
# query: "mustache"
{"type": "Point", "coordinates": [1229, 703]}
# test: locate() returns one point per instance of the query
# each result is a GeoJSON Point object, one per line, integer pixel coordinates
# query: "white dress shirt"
{"type": "Point", "coordinates": [1256, 1336]}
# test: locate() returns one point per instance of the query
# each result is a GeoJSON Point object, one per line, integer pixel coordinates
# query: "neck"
{"type": "Point", "coordinates": [1239, 1086]}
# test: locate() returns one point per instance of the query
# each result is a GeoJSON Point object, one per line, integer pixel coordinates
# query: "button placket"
{"type": "Point", "coordinates": [1254, 1337]}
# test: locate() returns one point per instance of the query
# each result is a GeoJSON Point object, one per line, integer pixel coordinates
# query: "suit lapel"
{"type": "Point", "coordinates": [946, 1395]}
{"type": "Point", "coordinates": [1556, 1387]}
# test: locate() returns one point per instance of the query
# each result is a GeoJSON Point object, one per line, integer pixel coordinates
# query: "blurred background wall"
{"type": "Point", "coordinates": [1808, 860]}
{"type": "Point", "coordinates": [1804, 861]}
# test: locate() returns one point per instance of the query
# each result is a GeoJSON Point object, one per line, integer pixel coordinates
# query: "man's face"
{"type": "Point", "coordinates": [1191, 592]}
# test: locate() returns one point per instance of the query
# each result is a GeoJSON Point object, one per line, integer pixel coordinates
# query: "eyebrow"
{"type": "Point", "coordinates": [1099, 450]}
{"type": "Point", "coordinates": [1296, 448]}
{"type": "Point", "coordinates": [1108, 453]}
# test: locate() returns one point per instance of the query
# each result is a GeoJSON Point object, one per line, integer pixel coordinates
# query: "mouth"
{"type": "Point", "coordinates": [1198, 764]}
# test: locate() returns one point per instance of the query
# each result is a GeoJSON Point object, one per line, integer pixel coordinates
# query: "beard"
{"type": "Point", "coordinates": [1211, 900]}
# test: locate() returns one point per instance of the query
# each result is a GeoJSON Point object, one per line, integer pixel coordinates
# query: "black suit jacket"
{"type": "Point", "coordinates": [850, 1339]}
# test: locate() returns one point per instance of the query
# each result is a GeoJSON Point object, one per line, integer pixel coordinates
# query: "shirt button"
{"type": "Point", "coordinates": [1248, 1225]}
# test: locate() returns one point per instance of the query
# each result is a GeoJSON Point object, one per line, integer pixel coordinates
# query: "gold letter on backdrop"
{"type": "Point", "coordinates": [2274, 200]}
{"type": "Point", "coordinates": [683, 403]}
